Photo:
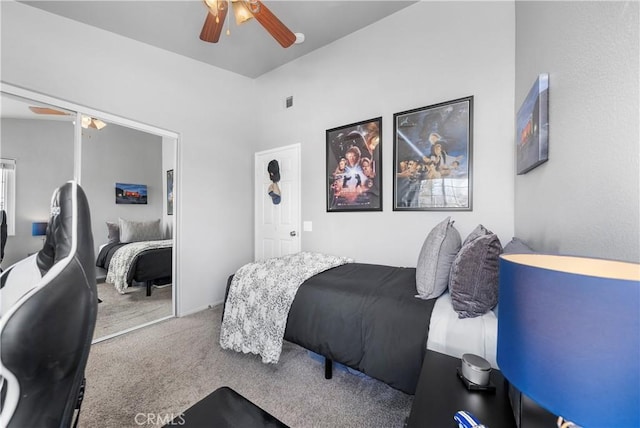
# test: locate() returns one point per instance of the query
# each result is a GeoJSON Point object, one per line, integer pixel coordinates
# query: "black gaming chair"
{"type": "Point", "coordinates": [48, 314]}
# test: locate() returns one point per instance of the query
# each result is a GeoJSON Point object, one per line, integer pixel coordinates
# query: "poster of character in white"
{"type": "Point", "coordinates": [432, 157]}
{"type": "Point", "coordinates": [354, 173]}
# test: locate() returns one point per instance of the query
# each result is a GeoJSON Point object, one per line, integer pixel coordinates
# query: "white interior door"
{"type": "Point", "coordinates": [277, 227]}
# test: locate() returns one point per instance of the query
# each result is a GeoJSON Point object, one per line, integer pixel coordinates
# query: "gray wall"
{"type": "Point", "coordinates": [425, 54]}
{"type": "Point", "coordinates": [43, 151]}
{"type": "Point", "coordinates": [117, 154]}
{"type": "Point", "coordinates": [585, 199]}
{"type": "Point", "coordinates": [110, 73]}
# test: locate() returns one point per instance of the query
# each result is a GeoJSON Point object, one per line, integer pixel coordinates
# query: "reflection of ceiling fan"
{"type": "Point", "coordinates": [243, 11]}
{"type": "Point", "coordinates": [87, 121]}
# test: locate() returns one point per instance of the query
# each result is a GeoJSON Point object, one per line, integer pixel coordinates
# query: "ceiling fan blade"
{"type": "Point", "coordinates": [271, 23]}
{"type": "Point", "coordinates": [47, 110]}
{"type": "Point", "coordinates": [211, 29]}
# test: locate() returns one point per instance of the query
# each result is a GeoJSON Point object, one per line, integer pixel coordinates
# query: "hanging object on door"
{"type": "Point", "coordinates": [274, 171]}
{"type": "Point", "coordinates": [274, 192]}
{"type": "Point", "coordinates": [274, 175]}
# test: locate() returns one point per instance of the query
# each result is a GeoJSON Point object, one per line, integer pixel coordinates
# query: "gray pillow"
{"type": "Point", "coordinates": [113, 232]}
{"type": "Point", "coordinates": [517, 246]}
{"type": "Point", "coordinates": [434, 262]}
{"type": "Point", "coordinates": [479, 231]}
{"type": "Point", "coordinates": [473, 284]}
{"type": "Point", "coordinates": [135, 231]}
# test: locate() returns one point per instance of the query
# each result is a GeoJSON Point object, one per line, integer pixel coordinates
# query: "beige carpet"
{"type": "Point", "coordinates": [157, 372]}
{"type": "Point", "coordinates": [118, 312]}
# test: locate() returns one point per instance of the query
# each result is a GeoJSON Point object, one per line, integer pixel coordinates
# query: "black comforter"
{"type": "Point", "coordinates": [150, 265]}
{"type": "Point", "coordinates": [366, 317]}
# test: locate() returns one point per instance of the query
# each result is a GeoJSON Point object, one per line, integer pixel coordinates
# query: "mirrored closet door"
{"type": "Point", "coordinates": [127, 173]}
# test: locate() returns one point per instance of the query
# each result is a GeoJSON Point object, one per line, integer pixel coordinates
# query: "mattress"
{"type": "Point", "coordinates": [455, 336]}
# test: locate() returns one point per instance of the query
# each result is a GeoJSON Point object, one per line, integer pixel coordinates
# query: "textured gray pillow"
{"type": "Point", "coordinates": [113, 232]}
{"type": "Point", "coordinates": [473, 284]}
{"type": "Point", "coordinates": [434, 262]}
{"type": "Point", "coordinates": [135, 231]}
{"type": "Point", "coordinates": [479, 231]}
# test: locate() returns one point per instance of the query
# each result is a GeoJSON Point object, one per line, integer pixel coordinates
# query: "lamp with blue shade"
{"type": "Point", "coordinates": [39, 228]}
{"type": "Point", "coordinates": [569, 336]}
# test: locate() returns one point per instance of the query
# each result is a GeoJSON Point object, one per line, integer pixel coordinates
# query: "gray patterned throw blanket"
{"type": "Point", "coordinates": [123, 259]}
{"type": "Point", "coordinates": [259, 300]}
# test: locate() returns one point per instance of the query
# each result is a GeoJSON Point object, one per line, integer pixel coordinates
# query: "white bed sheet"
{"type": "Point", "coordinates": [453, 336]}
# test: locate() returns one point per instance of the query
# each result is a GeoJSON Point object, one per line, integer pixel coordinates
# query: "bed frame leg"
{"type": "Point", "coordinates": [328, 368]}
{"type": "Point", "coordinates": [149, 284]}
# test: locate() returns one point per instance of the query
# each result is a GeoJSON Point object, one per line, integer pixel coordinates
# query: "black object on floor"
{"type": "Point", "coordinates": [225, 408]}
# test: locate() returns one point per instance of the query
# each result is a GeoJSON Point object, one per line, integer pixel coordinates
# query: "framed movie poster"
{"type": "Point", "coordinates": [432, 153]}
{"type": "Point", "coordinates": [532, 127]}
{"type": "Point", "coordinates": [170, 192]}
{"type": "Point", "coordinates": [354, 167]}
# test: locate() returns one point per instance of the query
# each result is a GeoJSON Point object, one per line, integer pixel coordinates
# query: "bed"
{"type": "Point", "coordinates": [136, 252]}
{"type": "Point", "coordinates": [369, 317]}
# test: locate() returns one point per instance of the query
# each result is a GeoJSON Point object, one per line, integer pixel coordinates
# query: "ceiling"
{"type": "Point", "coordinates": [249, 50]}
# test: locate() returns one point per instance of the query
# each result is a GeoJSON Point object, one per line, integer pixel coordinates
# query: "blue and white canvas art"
{"type": "Point", "coordinates": [532, 127]}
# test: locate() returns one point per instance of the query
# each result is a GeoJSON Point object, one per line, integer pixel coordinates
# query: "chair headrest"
{"type": "Point", "coordinates": [45, 336]}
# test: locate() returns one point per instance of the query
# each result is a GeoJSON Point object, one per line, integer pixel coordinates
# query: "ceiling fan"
{"type": "Point", "coordinates": [87, 121]}
{"type": "Point", "coordinates": [243, 10]}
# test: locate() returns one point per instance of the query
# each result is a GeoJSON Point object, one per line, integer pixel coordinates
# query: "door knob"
{"type": "Point", "coordinates": [292, 233]}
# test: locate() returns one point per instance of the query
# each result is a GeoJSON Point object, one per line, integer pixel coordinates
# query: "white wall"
{"type": "Point", "coordinates": [586, 199]}
{"type": "Point", "coordinates": [425, 54]}
{"type": "Point", "coordinates": [41, 148]}
{"type": "Point", "coordinates": [117, 154]}
{"type": "Point", "coordinates": [68, 60]}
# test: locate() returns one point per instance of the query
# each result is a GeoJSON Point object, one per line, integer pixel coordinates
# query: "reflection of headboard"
{"type": "Point", "coordinates": [134, 231]}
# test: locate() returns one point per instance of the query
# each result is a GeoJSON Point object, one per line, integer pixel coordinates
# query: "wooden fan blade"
{"type": "Point", "coordinates": [272, 24]}
{"type": "Point", "coordinates": [211, 29]}
{"type": "Point", "coordinates": [47, 110]}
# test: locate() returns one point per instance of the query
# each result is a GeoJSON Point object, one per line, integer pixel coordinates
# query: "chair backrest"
{"type": "Point", "coordinates": [47, 318]}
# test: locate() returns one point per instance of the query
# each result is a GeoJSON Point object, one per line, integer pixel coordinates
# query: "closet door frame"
{"type": "Point", "coordinates": [77, 164]}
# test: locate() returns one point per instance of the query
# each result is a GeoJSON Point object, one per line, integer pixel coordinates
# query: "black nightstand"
{"type": "Point", "coordinates": [440, 394]}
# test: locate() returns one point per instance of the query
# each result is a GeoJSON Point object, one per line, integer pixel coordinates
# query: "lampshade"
{"type": "Point", "coordinates": [569, 336]}
{"type": "Point", "coordinates": [39, 228]}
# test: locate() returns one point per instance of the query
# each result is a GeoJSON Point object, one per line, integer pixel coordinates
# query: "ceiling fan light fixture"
{"type": "Point", "coordinates": [215, 6]}
{"type": "Point", "coordinates": [241, 12]}
{"type": "Point", "coordinates": [97, 124]}
{"type": "Point", "coordinates": [90, 122]}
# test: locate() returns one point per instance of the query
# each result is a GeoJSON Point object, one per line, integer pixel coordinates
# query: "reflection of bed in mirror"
{"type": "Point", "coordinates": [147, 261]}
{"type": "Point", "coordinates": [136, 251]}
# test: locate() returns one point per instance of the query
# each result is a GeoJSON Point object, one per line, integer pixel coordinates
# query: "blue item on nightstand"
{"type": "Point", "coordinates": [466, 420]}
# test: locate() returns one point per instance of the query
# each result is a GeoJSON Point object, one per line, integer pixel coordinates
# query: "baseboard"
{"type": "Point", "coordinates": [196, 310]}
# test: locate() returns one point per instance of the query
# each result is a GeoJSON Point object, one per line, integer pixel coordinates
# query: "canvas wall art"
{"type": "Point", "coordinates": [131, 193]}
{"type": "Point", "coordinates": [532, 127]}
